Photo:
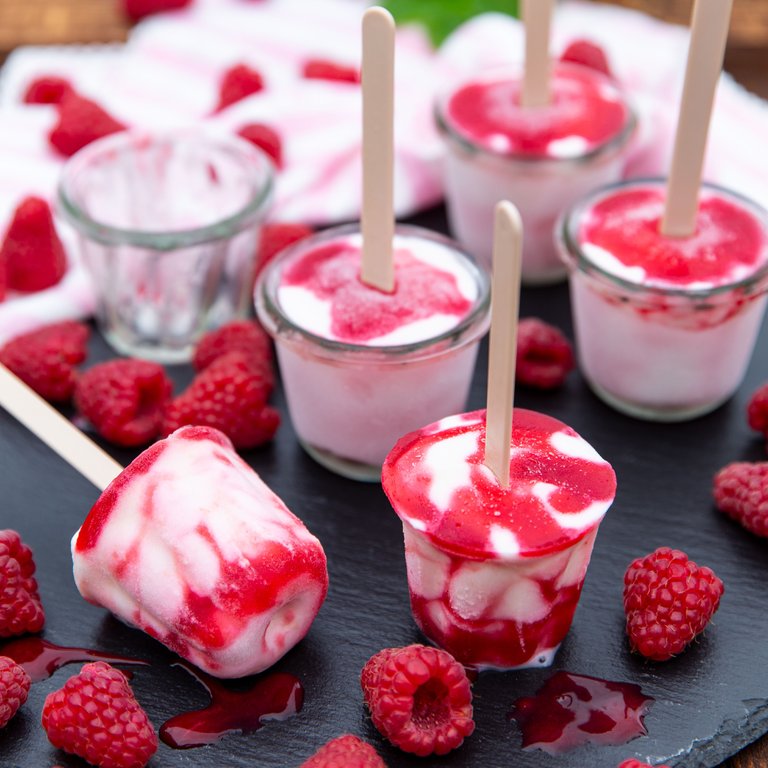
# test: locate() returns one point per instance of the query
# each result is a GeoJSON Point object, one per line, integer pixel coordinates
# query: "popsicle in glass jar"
{"type": "Point", "coordinates": [541, 158]}
{"type": "Point", "coordinates": [665, 326]}
{"type": "Point", "coordinates": [360, 367]}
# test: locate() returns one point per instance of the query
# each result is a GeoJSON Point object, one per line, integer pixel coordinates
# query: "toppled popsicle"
{"type": "Point", "coordinates": [191, 546]}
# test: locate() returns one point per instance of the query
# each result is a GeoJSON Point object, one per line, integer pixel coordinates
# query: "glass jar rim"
{"type": "Point", "coordinates": [613, 143]}
{"type": "Point", "coordinates": [575, 257]}
{"type": "Point", "coordinates": [165, 240]}
{"type": "Point", "coordinates": [277, 323]}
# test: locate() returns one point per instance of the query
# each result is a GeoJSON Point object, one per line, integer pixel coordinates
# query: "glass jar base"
{"type": "Point", "coordinates": [649, 413]}
{"type": "Point", "coordinates": [157, 354]}
{"type": "Point", "coordinates": [354, 470]}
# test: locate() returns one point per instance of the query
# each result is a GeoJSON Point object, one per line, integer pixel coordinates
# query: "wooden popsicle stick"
{"type": "Point", "coordinates": [505, 308]}
{"type": "Point", "coordinates": [537, 18]}
{"type": "Point", "coordinates": [56, 431]}
{"type": "Point", "coordinates": [377, 219]}
{"type": "Point", "coordinates": [709, 33]}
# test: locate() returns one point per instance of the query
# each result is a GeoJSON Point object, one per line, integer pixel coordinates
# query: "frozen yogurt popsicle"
{"type": "Point", "coordinates": [495, 574]}
{"type": "Point", "coordinates": [665, 325]}
{"type": "Point", "coordinates": [361, 367]}
{"type": "Point", "coordinates": [191, 546]}
{"type": "Point", "coordinates": [542, 159]}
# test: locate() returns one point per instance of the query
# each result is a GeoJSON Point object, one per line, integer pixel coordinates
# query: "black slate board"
{"type": "Point", "coordinates": [709, 703]}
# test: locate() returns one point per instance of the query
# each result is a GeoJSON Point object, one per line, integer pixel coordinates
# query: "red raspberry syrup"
{"type": "Point", "coordinates": [586, 111]}
{"type": "Point", "coordinates": [359, 313]}
{"type": "Point", "coordinates": [40, 659]}
{"type": "Point", "coordinates": [728, 243]}
{"type": "Point", "coordinates": [274, 696]}
{"type": "Point", "coordinates": [571, 710]}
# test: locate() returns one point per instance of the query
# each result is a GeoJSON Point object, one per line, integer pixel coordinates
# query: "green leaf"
{"type": "Point", "coordinates": [441, 17]}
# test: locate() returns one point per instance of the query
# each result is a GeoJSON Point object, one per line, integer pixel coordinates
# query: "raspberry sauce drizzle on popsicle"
{"type": "Point", "coordinates": [622, 233]}
{"type": "Point", "coordinates": [359, 313]}
{"type": "Point", "coordinates": [586, 111]}
{"type": "Point", "coordinates": [274, 696]}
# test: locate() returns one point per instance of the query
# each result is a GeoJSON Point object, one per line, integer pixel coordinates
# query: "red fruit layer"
{"type": "Point", "coordinates": [585, 109]}
{"type": "Point", "coordinates": [138, 9]}
{"type": "Point", "coordinates": [492, 642]}
{"type": "Point", "coordinates": [480, 505]}
{"type": "Point", "coordinates": [729, 242]}
{"type": "Point", "coordinates": [360, 313]}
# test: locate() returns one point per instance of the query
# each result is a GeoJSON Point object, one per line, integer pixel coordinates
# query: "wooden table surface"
{"type": "Point", "coordinates": [26, 22]}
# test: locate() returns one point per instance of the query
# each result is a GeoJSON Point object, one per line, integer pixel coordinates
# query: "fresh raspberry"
{"type": "Point", "coordinates": [33, 254]}
{"type": "Point", "coordinates": [14, 689]}
{"type": "Point", "coordinates": [238, 82]}
{"type": "Point", "coordinates": [138, 9]}
{"type": "Point", "coordinates": [345, 752]}
{"type": "Point", "coordinates": [48, 89]}
{"type": "Point", "coordinates": [20, 608]}
{"type": "Point", "coordinates": [420, 699]}
{"type": "Point", "coordinates": [44, 359]}
{"type": "Point", "coordinates": [80, 122]}
{"type": "Point", "coordinates": [741, 491]}
{"type": "Point", "coordinates": [757, 410]}
{"type": "Point", "coordinates": [544, 355]}
{"type": "Point", "coordinates": [96, 717]}
{"type": "Point", "coordinates": [668, 600]}
{"type": "Point", "coordinates": [229, 395]}
{"type": "Point", "coordinates": [275, 237]}
{"type": "Point", "coordinates": [322, 69]}
{"type": "Point", "coordinates": [588, 54]}
{"type": "Point", "coordinates": [266, 139]}
{"type": "Point", "coordinates": [124, 400]}
{"type": "Point", "coordinates": [633, 763]}
{"type": "Point", "coordinates": [243, 336]}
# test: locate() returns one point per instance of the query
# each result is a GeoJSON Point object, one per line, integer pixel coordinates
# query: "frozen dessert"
{"type": "Point", "coordinates": [361, 367]}
{"type": "Point", "coordinates": [542, 159]}
{"type": "Point", "coordinates": [191, 546]}
{"type": "Point", "coordinates": [665, 326]}
{"type": "Point", "coordinates": [495, 574]}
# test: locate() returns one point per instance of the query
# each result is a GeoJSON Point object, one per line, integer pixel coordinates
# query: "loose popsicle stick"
{"type": "Point", "coordinates": [505, 308]}
{"type": "Point", "coordinates": [377, 219]}
{"type": "Point", "coordinates": [55, 431]}
{"type": "Point", "coordinates": [709, 32]}
{"type": "Point", "coordinates": [537, 18]}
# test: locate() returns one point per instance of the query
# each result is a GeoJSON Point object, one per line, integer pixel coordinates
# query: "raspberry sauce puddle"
{"type": "Point", "coordinates": [40, 659]}
{"type": "Point", "coordinates": [571, 710]}
{"type": "Point", "coordinates": [275, 696]}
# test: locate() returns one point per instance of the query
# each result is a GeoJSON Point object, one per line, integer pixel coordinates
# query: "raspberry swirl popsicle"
{"type": "Point", "coordinates": [542, 159]}
{"type": "Point", "coordinates": [495, 574]}
{"type": "Point", "coordinates": [665, 325]}
{"type": "Point", "coordinates": [361, 367]}
{"type": "Point", "coordinates": [191, 546]}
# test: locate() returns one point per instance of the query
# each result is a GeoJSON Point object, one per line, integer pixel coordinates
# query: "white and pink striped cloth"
{"type": "Point", "coordinates": [167, 75]}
